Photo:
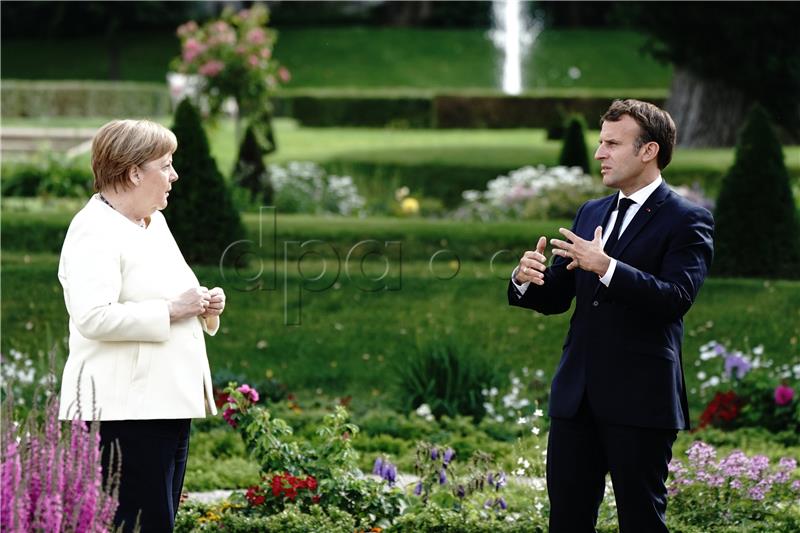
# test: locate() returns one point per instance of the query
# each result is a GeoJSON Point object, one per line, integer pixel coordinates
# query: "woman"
{"type": "Point", "coordinates": [137, 360]}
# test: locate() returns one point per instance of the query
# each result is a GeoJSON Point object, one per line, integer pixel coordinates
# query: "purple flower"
{"type": "Point", "coordinates": [377, 468]}
{"type": "Point", "coordinates": [783, 394]}
{"type": "Point", "coordinates": [787, 464]}
{"type": "Point", "coordinates": [448, 455]}
{"type": "Point", "coordinates": [701, 454]}
{"type": "Point", "coordinates": [488, 503]}
{"type": "Point", "coordinates": [490, 479]}
{"type": "Point", "coordinates": [442, 477]}
{"type": "Point", "coordinates": [500, 480]}
{"type": "Point", "coordinates": [434, 454]}
{"type": "Point", "coordinates": [460, 492]}
{"type": "Point", "coordinates": [738, 364]}
{"type": "Point", "coordinates": [502, 503]}
{"type": "Point", "coordinates": [418, 488]}
{"type": "Point", "coordinates": [390, 474]}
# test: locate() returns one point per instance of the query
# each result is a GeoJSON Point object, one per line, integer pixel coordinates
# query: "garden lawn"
{"type": "Point", "coordinates": [368, 58]}
{"type": "Point", "coordinates": [352, 342]}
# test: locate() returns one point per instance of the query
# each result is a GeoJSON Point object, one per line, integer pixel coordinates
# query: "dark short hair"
{"type": "Point", "coordinates": [656, 126]}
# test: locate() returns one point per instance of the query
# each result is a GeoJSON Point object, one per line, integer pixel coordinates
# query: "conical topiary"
{"type": "Point", "coordinates": [757, 230]}
{"type": "Point", "coordinates": [250, 171]}
{"type": "Point", "coordinates": [573, 151]}
{"type": "Point", "coordinates": [200, 212]}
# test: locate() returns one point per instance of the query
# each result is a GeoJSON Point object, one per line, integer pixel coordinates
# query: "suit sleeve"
{"type": "Point", "coordinates": [558, 291]}
{"type": "Point", "coordinates": [672, 291]}
{"type": "Point", "coordinates": [92, 279]}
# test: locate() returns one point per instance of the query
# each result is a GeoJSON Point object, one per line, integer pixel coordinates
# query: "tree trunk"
{"type": "Point", "coordinates": [706, 113]}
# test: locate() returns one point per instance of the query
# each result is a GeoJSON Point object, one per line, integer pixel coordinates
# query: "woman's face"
{"type": "Point", "coordinates": [156, 178]}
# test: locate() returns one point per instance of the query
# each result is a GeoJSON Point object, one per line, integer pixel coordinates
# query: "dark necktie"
{"type": "Point", "coordinates": [624, 204]}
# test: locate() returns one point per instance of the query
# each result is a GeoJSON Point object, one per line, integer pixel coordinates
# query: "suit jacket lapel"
{"type": "Point", "coordinates": [640, 220]}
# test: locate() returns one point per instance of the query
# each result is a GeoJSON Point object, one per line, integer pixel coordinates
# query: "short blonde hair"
{"type": "Point", "coordinates": [122, 144]}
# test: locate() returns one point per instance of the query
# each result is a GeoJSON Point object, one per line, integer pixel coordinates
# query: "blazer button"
{"type": "Point", "coordinates": [595, 303]}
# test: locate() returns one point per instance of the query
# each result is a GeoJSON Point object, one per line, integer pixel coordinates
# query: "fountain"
{"type": "Point", "coordinates": [513, 33]}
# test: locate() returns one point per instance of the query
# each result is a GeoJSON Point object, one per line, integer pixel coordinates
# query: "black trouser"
{"type": "Point", "coordinates": [154, 454]}
{"type": "Point", "coordinates": [582, 450]}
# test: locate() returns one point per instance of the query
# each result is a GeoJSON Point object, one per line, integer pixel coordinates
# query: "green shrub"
{"type": "Point", "coordinates": [365, 111]}
{"type": "Point", "coordinates": [448, 376]}
{"type": "Point", "coordinates": [83, 99]}
{"type": "Point", "coordinates": [47, 175]}
{"type": "Point", "coordinates": [485, 111]}
{"type": "Point", "coordinates": [573, 151]}
{"type": "Point", "coordinates": [200, 212]}
{"type": "Point", "coordinates": [757, 229]}
{"type": "Point", "coordinates": [193, 517]}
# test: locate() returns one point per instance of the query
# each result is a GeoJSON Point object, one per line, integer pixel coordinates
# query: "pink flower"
{"type": "Point", "coordinates": [284, 74]}
{"type": "Point", "coordinates": [252, 61]}
{"type": "Point", "coordinates": [249, 392]}
{"type": "Point", "coordinates": [783, 394]}
{"type": "Point", "coordinates": [212, 68]}
{"type": "Point", "coordinates": [191, 49]}
{"type": "Point", "coordinates": [220, 26]}
{"type": "Point", "coordinates": [256, 36]}
{"type": "Point", "coordinates": [266, 53]}
{"type": "Point", "coordinates": [186, 29]}
{"type": "Point", "coordinates": [228, 416]}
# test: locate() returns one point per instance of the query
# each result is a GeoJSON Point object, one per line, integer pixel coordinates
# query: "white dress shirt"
{"type": "Point", "coordinates": [639, 198]}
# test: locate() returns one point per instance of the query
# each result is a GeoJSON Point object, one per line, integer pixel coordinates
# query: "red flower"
{"type": "Point", "coordinates": [315, 498]}
{"type": "Point", "coordinates": [723, 408]}
{"type": "Point", "coordinates": [311, 483]}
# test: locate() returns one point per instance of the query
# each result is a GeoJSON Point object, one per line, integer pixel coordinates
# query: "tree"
{"type": "Point", "coordinates": [757, 230]}
{"type": "Point", "coordinates": [726, 56]}
{"type": "Point", "coordinates": [573, 151]}
{"type": "Point", "coordinates": [201, 214]}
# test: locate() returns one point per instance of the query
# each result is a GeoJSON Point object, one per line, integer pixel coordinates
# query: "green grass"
{"type": "Point", "coordinates": [368, 58]}
{"type": "Point", "coordinates": [340, 326]}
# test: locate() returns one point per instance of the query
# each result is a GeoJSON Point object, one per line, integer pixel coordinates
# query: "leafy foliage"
{"type": "Point", "coordinates": [447, 375]}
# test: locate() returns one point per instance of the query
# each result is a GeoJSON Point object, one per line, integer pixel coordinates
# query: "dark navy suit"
{"type": "Point", "coordinates": [618, 396]}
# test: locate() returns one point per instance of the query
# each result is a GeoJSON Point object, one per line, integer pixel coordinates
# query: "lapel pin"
{"type": "Point", "coordinates": [647, 209]}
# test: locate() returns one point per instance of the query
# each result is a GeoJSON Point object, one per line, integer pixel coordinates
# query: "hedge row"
{"type": "Point", "coordinates": [461, 110]}
{"type": "Point", "coordinates": [83, 98]}
{"type": "Point", "coordinates": [323, 108]}
{"type": "Point", "coordinates": [420, 239]}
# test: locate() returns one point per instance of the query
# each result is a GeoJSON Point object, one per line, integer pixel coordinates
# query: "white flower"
{"type": "Point", "coordinates": [538, 413]}
{"type": "Point", "coordinates": [519, 472]}
{"type": "Point", "coordinates": [540, 373]}
{"type": "Point", "coordinates": [714, 381]}
{"type": "Point", "coordinates": [758, 350]}
{"type": "Point", "coordinates": [522, 420]}
{"type": "Point", "coordinates": [423, 410]}
{"type": "Point", "coordinates": [535, 430]}
{"type": "Point", "coordinates": [701, 375]}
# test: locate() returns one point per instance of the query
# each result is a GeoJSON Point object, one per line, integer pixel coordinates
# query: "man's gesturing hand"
{"type": "Point", "coordinates": [532, 265]}
{"type": "Point", "coordinates": [588, 255]}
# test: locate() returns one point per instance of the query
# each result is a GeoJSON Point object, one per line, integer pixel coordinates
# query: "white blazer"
{"type": "Point", "coordinates": [125, 357]}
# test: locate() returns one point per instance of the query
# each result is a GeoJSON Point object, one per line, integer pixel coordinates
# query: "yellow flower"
{"type": "Point", "coordinates": [409, 206]}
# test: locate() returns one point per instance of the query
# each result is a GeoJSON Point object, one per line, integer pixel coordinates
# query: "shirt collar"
{"type": "Point", "coordinates": [644, 193]}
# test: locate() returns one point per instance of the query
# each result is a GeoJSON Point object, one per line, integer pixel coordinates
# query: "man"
{"type": "Point", "coordinates": [634, 263]}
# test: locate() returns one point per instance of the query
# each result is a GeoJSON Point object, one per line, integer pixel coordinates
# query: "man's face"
{"type": "Point", "coordinates": [620, 164]}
